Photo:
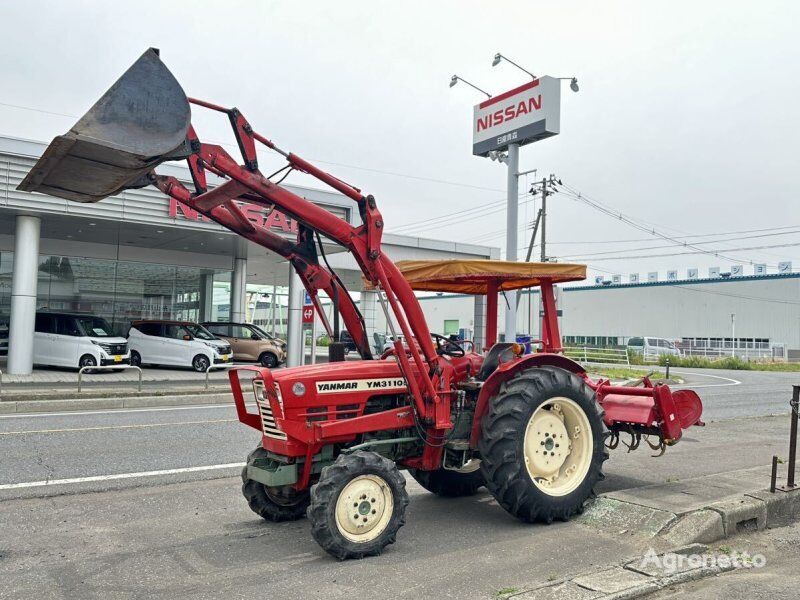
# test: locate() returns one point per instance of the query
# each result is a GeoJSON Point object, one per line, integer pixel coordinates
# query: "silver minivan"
{"type": "Point", "coordinates": [652, 346]}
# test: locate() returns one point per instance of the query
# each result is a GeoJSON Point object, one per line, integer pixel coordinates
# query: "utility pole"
{"type": "Point", "coordinates": [544, 217]}
{"type": "Point", "coordinates": [733, 335]}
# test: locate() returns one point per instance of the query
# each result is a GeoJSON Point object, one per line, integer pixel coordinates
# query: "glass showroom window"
{"type": "Point", "coordinates": [119, 291]}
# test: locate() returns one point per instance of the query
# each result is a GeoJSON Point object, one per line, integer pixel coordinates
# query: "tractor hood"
{"type": "Point", "coordinates": [340, 378]}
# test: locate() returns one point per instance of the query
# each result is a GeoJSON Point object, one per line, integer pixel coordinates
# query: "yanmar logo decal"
{"type": "Point", "coordinates": [360, 385]}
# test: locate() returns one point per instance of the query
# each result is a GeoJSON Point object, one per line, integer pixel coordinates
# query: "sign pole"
{"type": "Point", "coordinates": [512, 224]}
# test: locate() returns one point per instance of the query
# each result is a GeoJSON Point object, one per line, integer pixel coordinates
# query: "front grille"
{"type": "Point", "coordinates": [115, 348]}
{"type": "Point", "coordinates": [268, 424]}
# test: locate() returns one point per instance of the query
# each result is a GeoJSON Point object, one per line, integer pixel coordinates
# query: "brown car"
{"type": "Point", "coordinates": [250, 343]}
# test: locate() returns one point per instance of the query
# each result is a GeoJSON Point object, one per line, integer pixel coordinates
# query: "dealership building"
{"type": "Point", "coordinates": [142, 255]}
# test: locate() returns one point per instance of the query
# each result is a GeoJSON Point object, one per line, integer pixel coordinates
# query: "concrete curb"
{"type": "Point", "coordinates": [634, 577]}
{"type": "Point", "coordinates": [47, 406]}
{"type": "Point", "coordinates": [751, 511]}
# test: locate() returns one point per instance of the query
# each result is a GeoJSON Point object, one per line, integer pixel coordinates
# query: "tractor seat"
{"type": "Point", "coordinates": [499, 353]}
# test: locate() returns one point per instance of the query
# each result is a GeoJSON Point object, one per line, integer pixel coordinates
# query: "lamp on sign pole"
{"type": "Point", "coordinates": [455, 79]}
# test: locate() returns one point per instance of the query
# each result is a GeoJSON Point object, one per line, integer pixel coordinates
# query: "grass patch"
{"type": "Point", "coordinates": [622, 373]}
{"type": "Point", "coordinates": [729, 362]}
{"type": "Point", "coordinates": [506, 591]}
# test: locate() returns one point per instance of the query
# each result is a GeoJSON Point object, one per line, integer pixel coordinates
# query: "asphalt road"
{"type": "Point", "coordinates": [168, 519]}
{"type": "Point", "coordinates": [729, 394]}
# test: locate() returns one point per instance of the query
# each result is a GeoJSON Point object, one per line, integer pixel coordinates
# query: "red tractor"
{"type": "Point", "coordinates": [533, 428]}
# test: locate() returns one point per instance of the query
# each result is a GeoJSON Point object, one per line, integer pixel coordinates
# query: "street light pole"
{"type": "Point", "coordinates": [733, 335]}
{"type": "Point", "coordinates": [512, 223]}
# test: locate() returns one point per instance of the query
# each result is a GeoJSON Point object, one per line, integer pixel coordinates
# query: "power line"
{"type": "Point", "coordinates": [678, 237]}
{"type": "Point", "coordinates": [735, 239]}
{"type": "Point", "coordinates": [701, 251]}
{"type": "Point", "coordinates": [577, 195]}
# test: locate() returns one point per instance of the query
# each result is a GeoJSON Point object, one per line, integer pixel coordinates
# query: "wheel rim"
{"type": "Point", "coordinates": [88, 361]}
{"type": "Point", "coordinates": [558, 446]}
{"type": "Point", "coordinates": [470, 466]}
{"type": "Point", "coordinates": [364, 508]}
{"type": "Point", "coordinates": [201, 363]}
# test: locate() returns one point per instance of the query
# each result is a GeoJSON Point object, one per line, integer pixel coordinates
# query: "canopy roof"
{"type": "Point", "coordinates": [475, 276]}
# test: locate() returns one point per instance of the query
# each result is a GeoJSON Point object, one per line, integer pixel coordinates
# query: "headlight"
{"type": "Point", "coordinates": [104, 347]}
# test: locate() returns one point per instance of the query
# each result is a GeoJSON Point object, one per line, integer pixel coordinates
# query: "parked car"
{"type": "Point", "coordinates": [76, 340]}
{"type": "Point", "coordinates": [176, 343]}
{"type": "Point", "coordinates": [4, 321]}
{"type": "Point", "coordinates": [652, 346]}
{"type": "Point", "coordinates": [250, 343]}
{"type": "Point", "coordinates": [280, 341]}
{"type": "Point", "coordinates": [348, 341]}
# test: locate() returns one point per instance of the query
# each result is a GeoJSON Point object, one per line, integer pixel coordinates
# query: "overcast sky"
{"type": "Point", "coordinates": [686, 119]}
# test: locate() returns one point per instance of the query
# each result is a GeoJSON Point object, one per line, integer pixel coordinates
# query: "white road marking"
{"type": "Point", "coordinates": [74, 480]}
{"type": "Point", "coordinates": [706, 385]}
{"type": "Point", "coordinates": [101, 427]}
{"type": "Point", "coordinates": [114, 411]}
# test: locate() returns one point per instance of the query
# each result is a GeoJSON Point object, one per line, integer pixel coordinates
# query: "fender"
{"type": "Point", "coordinates": [506, 371]}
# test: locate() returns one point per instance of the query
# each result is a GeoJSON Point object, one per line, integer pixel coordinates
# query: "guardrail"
{"type": "Point", "coordinates": [83, 370]}
{"type": "Point", "coordinates": [586, 354]}
{"type": "Point", "coordinates": [226, 366]}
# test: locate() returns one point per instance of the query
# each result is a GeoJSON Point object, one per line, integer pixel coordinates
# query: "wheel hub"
{"type": "Point", "coordinates": [558, 446]}
{"type": "Point", "coordinates": [364, 508]}
{"type": "Point", "coordinates": [549, 443]}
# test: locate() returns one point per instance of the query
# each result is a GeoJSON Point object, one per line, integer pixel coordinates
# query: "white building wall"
{"type": "Point", "coordinates": [765, 307]}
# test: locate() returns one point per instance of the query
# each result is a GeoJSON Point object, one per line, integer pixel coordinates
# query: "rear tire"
{"type": "Point", "coordinates": [272, 503]}
{"type": "Point", "coordinates": [200, 363]}
{"type": "Point", "coordinates": [543, 444]}
{"type": "Point", "coordinates": [449, 484]}
{"type": "Point", "coordinates": [268, 360]}
{"type": "Point", "coordinates": [358, 505]}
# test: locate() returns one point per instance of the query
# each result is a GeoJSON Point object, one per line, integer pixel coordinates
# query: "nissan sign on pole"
{"type": "Point", "coordinates": [526, 114]}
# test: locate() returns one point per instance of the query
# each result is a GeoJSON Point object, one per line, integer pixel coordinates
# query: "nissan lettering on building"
{"type": "Point", "coordinates": [526, 114]}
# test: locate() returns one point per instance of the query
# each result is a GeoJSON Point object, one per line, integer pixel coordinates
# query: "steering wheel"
{"type": "Point", "coordinates": [447, 347]}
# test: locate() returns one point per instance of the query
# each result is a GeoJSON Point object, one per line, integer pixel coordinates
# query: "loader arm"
{"type": "Point", "coordinates": [144, 120]}
{"type": "Point", "coordinates": [313, 276]}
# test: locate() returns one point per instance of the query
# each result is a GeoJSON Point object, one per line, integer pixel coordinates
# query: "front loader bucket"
{"type": "Point", "coordinates": [140, 122]}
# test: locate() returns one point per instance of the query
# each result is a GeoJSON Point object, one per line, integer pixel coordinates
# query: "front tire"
{"type": "Point", "coordinates": [543, 444]}
{"type": "Point", "coordinates": [268, 360]}
{"type": "Point", "coordinates": [272, 503]}
{"type": "Point", "coordinates": [136, 359]}
{"type": "Point", "coordinates": [200, 363]}
{"type": "Point", "coordinates": [358, 505]}
{"type": "Point", "coordinates": [449, 483]}
{"type": "Point", "coordinates": [87, 360]}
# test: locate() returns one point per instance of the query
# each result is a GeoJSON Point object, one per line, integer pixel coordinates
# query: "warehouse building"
{"type": "Point", "coordinates": [754, 316]}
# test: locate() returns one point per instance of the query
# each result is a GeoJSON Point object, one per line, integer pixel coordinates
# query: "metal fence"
{"type": "Point", "coordinates": [586, 354]}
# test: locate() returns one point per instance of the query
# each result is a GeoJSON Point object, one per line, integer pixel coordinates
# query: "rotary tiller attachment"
{"type": "Point", "coordinates": [140, 122]}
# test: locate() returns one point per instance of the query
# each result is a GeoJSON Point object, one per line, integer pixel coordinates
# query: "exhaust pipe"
{"type": "Point", "coordinates": [139, 123]}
